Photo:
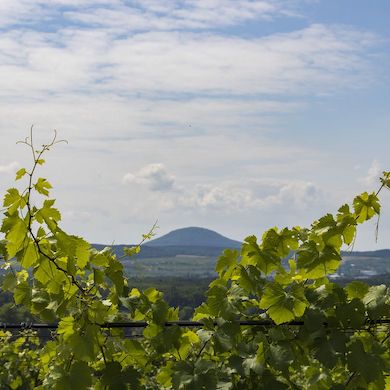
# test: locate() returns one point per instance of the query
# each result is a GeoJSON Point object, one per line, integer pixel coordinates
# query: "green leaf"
{"type": "Point", "coordinates": [153, 295]}
{"type": "Point", "coordinates": [98, 276]}
{"type": "Point", "coordinates": [366, 206]}
{"type": "Point", "coordinates": [9, 282]}
{"type": "Point", "coordinates": [167, 339]}
{"type": "Point", "coordinates": [136, 352]}
{"type": "Point", "coordinates": [266, 260]}
{"type": "Point", "coordinates": [66, 327]}
{"type": "Point", "coordinates": [30, 256]}
{"type": "Point", "coordinates": [160, 312]}
{"type": "Point", "coordinates": [183, 375]}
{"type": "Point", "coordinates": [376, 301]}
{"type": "Point", "coordinates": [326, 354]}
{"type": "Point", "coordinates": [273, 382]}
{"type": "Point", "coordinates": [20, 173]}
{"type": "Point", "coordinates": [164, 376]}
{"type": "Point", "coordinates": [385, 179]}
{"type": "Point", "coordinates": [50, 215]}
{"type": "Point", "coordinates": [226, 337]}
{"type": "Point", "coordinates": [132, 251]}
{"type": "Point", "coordinates": [112, 376]}
{"type": "Point", "coordinates": [281, 305]}
{"type": "Point", "coordinates": [314, 264]}
{"type": "Point", "coordinates": [201, 376]}
{"type": "Point", "coordinates": [226, 263]}
{"type": "Point", "coordinates": [73, 247]}
{"type": "Point", "coordinates": [83, 346]}
{"type": "Point", "coordinates": [219, 304]}
{"type": "Point", "coordinates": [281, 356]}
{"type": "Point", "coordinates": [22, 293]}
{"type": "Point", "coordinates": [250, 279]}
{"type": "Point", "coordinates": [80, 377]}
{"type": "Point", "coordinates": [16, 236]}
{"type": "Point", "coordinates": [356, 289]}
{"type": "Point", "coordinates": [101, 258]}
{"type": "Point", "coordinates": [53, 279]}
{"type": "Point", "coordinates": [252, 364]}
{"type": "Point", "coordinates": [351, 313]}
{"type": "Point", "coordinates": [283, 242]}
{"type": "Point", "coordinates": [13, 200]}
{"type": "Point", "coordinates": [42, 186]}
{"type": "Point", "coordinates": [115, 273]}
{"type": "Point", "coordinates": [349, 234]}
{"type": "Point", "coordinates": [363, 363]}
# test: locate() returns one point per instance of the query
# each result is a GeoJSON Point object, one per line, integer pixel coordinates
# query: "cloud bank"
{"type": "Point", "coordinates": [155, 176]}
{"type": "Point", "coordinates": [9, 168]}
{"type": "Point", "coordinates": [225, 197]}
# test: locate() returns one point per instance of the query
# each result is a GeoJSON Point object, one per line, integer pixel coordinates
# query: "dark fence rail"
{"type": "Point", "coordinates": [143, 324]}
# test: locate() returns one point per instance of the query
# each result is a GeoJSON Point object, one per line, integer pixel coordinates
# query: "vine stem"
{"type": "Point", "coordinates": [37, 157]}
{"type": "Point", "coordinates": [145, 237]}
{"type": "Point", "coordinates": [201, 350]}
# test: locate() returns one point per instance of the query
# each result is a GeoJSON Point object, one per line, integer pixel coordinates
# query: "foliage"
{"type": "Point", "coordinates": [62, 278]}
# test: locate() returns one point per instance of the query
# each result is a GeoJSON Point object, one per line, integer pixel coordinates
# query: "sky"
{"type": "Point", "coordinates": [235, 116]}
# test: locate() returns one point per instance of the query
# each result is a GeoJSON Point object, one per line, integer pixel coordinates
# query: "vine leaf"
{"type": "Point", "coordinates": [281, 305]}
{"type": "Point", "coordinates": [366, 206]}
{"type": "Point", "coordinates": [66, 327]}
{"type": "Point", "coordinates": [314, 264]}
{"type": "Point", "coordinates": [226, 263]}
{"type": "Point", "coordinates": [267, 260]}
{"type": "Point", "coordinates": [30, 256]}
{"type": "Point", "coordinates": [16, 234]}
{"type": "Point", "coordinates": [377, 302]}
{"type": "Point", "coordinates": [43, 186]}
{"type": "Point", "coordinates": [13, 200]}
{"type": "Point", "coordinates": [20, 173]}
{"type": "Point", "coordinates": [356, 289]}
{"type": "Point", "coordinates": [367, 365]}
{"type": "Point", "coordinates": [77, 249]}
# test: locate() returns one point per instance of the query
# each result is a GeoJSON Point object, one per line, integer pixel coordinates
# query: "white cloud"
{"type": "Point", "coordinates": [179, 14]}
{"type": "Point", "coordinates": [217, 197]}
{"type": "Point", "coordinates": [171, 81]}
{"type": "Point", "coordinates": [295, 194]}
{"type": "Point", "coordinates": [155, 176]}
{"type": "Point", "coordinates": [29, 12]}
{"type": "Point", "coordinates": [77, 216]}
{"type": "Point", "coordinates": [373, 174]}
{"type": "Point", "coordinates": [92, 83]}
{"type": "Point", "coordinates": [79, 62]}
{"type": "Point", "coordinates": [9, 168]}
{"type": "Point", "coordinates": [226, 196]}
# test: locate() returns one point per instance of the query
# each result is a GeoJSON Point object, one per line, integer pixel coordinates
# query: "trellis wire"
{"type": "Point", "coordinates": [187, 324]}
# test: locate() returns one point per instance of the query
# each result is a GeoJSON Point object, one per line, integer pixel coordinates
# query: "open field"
{"type": "Point", "coordinates": [181, 266]}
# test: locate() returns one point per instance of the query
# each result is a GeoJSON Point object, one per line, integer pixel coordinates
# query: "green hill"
{"type": "Point", "coordinates": [194, 236]}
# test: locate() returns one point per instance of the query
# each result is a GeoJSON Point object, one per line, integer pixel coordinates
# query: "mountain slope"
{"type": "Point", "coordinates": [194, 236]}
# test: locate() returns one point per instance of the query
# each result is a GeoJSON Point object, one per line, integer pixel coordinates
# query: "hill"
{"type": "Point", "coordinates": [193, 251]}
{"type": "Point", "coordinates": [381, 253]}
{"type": "Point", "coordinates": [194, 236]}
{"type": "Point", "coordinates": [192, 241]}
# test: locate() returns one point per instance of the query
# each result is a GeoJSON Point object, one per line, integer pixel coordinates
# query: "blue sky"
{"type": "Point", "coordinates": [231, 115]}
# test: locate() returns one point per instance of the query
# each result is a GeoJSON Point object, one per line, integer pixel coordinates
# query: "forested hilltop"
{"type": "Point", "coordinates": [193, 252]}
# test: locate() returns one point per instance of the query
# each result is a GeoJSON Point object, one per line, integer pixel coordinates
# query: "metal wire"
{"type": "Point", "coordinates": [144, 324]}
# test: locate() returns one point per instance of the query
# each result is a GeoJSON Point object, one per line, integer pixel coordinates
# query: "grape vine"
{"type": "Point", "coordinates": [324, 336]}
